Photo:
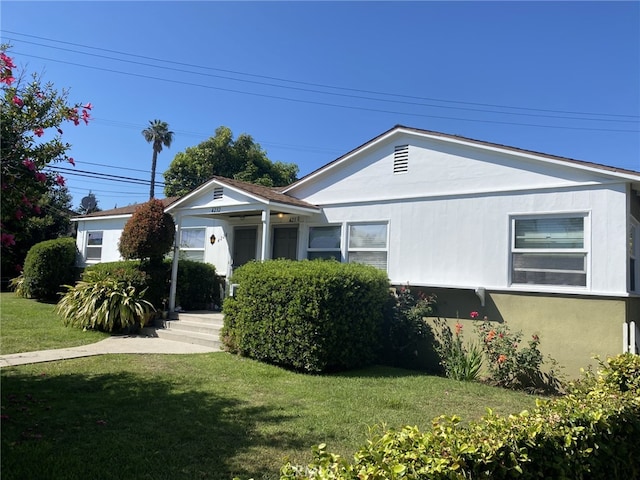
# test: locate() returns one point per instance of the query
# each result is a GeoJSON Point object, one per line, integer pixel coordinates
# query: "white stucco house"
{"type": "Point", "coordinates": [547, 243]}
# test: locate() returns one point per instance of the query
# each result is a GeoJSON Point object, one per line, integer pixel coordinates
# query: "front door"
{"type": "Point", "coordinates": [285, 243]}
{"type": "Point", "coordinates": [244, 245]}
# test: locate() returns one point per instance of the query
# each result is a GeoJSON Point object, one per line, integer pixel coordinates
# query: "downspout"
{"type": "Point", "coordinates": [266, 226]}
{"type": "Point", "coordinates": [174, 265]}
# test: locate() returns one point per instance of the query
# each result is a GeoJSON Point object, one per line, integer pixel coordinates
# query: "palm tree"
{"type": "Point", "coordinates": [157, 134]}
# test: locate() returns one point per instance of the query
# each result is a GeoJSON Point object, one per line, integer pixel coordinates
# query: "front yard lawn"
{"type": "Point", "coordinates": [201, 416]}
{"type": "Point", "coordinates": [28, 325]}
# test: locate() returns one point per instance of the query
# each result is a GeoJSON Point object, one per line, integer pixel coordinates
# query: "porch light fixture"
{"type": "Point", "coordinates": [212, 239]}
{"type": "Point", "coordinates": [281, 215]}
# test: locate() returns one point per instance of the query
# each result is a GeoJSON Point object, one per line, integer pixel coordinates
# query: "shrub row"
{"type": "Point", "coordinates": [590, 433]}
{"type": "Point", "coordinates": [312, 316]}
{"type": "Point", "coordinates": [198, 284]}
{"type": "Point", "coordinates": [120, 296]}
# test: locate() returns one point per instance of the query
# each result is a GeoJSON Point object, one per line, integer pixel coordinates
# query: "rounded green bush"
{"type": "Point", "coordinates": [48, 266]}
{"type": "Point", "coordinates": [312, 316]}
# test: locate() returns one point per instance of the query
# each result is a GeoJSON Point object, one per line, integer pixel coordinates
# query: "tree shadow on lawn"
{"type": "Point", "coordinates": [123, 426]}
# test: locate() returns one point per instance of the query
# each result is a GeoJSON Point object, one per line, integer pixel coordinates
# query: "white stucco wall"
{"type": "Point", "coordinates": [465, 241]}
{"type": "Point", "coordinates": [111, 228]}
{"type": "Point", "coordinates": [449, 215]}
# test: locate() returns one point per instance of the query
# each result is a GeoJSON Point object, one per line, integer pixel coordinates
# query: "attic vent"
{"type": "Point", "coordinates": [401, 159]}
{"type": "Point", "coordinates": [217, 193]}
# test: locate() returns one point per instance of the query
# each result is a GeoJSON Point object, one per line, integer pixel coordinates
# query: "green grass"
{"type": "Point", "coordinates": [208, 416]}
{"type": "Point", "coordinates": [28, 325]}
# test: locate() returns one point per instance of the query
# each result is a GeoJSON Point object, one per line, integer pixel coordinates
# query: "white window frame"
{"type": "Point", "coordinates": [192, 252]}
{"type": "Point", "coordinates": [355, 249]}
{"type": "Point", "coordinates": [94, 247]}
{"type": "Point", "coordinates": [585, 251]}
{"type": "Point", "coordinates": [330, 251]}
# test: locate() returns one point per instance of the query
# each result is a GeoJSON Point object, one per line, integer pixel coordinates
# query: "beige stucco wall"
{"type": "Point", "coordinates": [572, 329]}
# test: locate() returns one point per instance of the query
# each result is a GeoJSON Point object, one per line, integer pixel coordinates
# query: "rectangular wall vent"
{"type": "Point", "coordinates": [217, 193]}
{"type": "Point", "coordinates": [401, 159]}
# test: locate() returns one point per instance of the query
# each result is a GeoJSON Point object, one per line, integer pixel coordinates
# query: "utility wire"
{"type": "Point", "coordinates": [345, 95]}
{"type": "Point", "coordinates": [104, 176]}
{"type": "Point", "coordinates": [325, 104]}
{"type": "Point", "coordinates": [174, 62]}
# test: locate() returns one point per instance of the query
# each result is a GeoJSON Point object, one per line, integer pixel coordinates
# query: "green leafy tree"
{"type": "Point", "coordinates": [34, 200]}
{"type": "Point", "coordinates": [149, 233]}
{"type": "Point", "coordinates": [159, 135]}
{"type": "Point", "coordinates": [221, 155]}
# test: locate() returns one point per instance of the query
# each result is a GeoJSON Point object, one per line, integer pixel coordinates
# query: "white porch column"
{"type": "Point", "coordinates": [174, 264]}
{"type": "Point", "coordinates": [266, 227]}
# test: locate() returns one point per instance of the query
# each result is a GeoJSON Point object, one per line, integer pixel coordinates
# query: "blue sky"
{"type": "Point", "coordinates": [310, 81]}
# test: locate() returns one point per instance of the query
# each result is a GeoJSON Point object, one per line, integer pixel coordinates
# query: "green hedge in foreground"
{"type": "Point", "coordinates": [591, 433]}
{"type": "Point", "coordinates": [312, 316]}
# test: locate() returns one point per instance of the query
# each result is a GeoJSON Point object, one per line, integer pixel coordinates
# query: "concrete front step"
{"type": "Point", "coordinates": [200, 328]}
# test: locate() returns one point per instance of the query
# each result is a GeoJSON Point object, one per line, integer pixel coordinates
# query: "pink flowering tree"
{"type": "Point", "coordinates": [32, 115]}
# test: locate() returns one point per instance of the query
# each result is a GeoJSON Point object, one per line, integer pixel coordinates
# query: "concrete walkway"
{"type": "Point", "coordinates": [115, 344]}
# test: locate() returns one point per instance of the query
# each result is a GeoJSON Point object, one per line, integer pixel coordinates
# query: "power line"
{"type": "Point", "coordinates": [174, 62]}
{"type": "Point", "coordinates": [326, 104]}
{"type": "Point", "coordinates": [359, 97]}
{"type": "Point", "coordinates": [104, 176]}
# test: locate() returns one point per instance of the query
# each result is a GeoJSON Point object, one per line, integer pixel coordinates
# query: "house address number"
{"type": "Point", "coordinates": [216, 209]}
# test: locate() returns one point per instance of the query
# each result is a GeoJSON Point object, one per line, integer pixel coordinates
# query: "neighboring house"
{"type": "Point", "coordinates": [546, 243]}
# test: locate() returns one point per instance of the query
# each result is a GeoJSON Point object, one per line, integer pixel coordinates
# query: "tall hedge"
{"type": "Point", "coordinates": [48, 266]}
{"type": "Point", "coordinates": [312, 316]}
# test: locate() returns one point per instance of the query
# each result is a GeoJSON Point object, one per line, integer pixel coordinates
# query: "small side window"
{"type": "Point", "coordinates": [324, 243]}
{"type": "Point", "coordinates": [93, 249]}
{"type": "Point", "coordinates": [192, 242]}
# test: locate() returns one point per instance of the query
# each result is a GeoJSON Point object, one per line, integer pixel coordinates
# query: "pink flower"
{"type": "Point", "coordinates": [30, 164]}
{"type": "Point", "coordinates": [474, 314]}
{"type": "Point", "coordinates": [41, 177]}
{"type": "Point", "coordinates": [40, 95]}
{"type": "Point", "coordinates": [39, 131]}
{"type": "Point", "coordinates": [7, 60]}
{"type": "Point", "coordinates": [19, 214]}
{"type": "Point", "coordinates": [7, 239]}
{"type": "Point", "coordinates": [85, 117]}
{"type": "Point", "coordinates": [502, 358]}
{"type": "Point", "coordinates": [7, 78]}
{"type": "Point", "coordinates": [60, 180]}
{"type": "Point", "coordinates": [72, 161]}
{"type": "Point", "coordinates": [18, 101]}
{"type": "Point", "coordinates": [458, 328]}
{"type": "Point", "coordinates": [37, 210]}
{"type": "Point", "coordinates": [26, 201]}
{"type": "Point", "coordinates": [88, 106]}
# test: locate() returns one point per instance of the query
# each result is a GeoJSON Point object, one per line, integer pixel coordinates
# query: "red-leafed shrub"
{"type": "Point", "coordinates": [148, 234]}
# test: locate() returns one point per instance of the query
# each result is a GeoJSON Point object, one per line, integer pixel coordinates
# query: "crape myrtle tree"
{"type": "Point", "coordinates": [221, 155]}
{"type": "Point", "coordinates": [159, 135]}
{"type": "Point", "coordinates": [32, 114]}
